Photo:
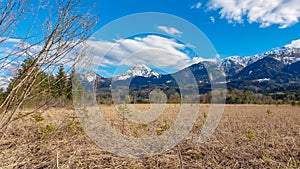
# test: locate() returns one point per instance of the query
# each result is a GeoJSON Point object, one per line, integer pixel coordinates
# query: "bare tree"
{"type": "Point", "coordinates": [65, 30]}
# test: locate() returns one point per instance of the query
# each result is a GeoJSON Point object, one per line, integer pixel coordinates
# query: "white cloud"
{"type": "Point", "coordinates": [265, 12]}
{"type": "Point", "coordinates": [197, 5]}
{"type": "Point", "coordinates": [294, 44]}
{"type": "Point", "coordinates": [8, 69]}
{"type": "Point", "coordinates": [212, 19]}
{"type": "Point", "coordinates": [8, 65]}
{"type": "Point", "coordinates": [10, 40]}
{"type": "Point", "coordinates": [152, 50]}
{"type": "Point", "coordinates": [7, 45]}
{"type": "Point", "coordinates": [4, 82]}
{"type": "Point", "coordinates": [169, 30]}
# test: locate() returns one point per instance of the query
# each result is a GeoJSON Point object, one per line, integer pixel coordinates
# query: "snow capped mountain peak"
{"type": "Point", "coordinates": [138, 70]}
{"type": "Point", "coordinates": [141, 67]}
{"type": "Point", "coordinates": [284, 51]}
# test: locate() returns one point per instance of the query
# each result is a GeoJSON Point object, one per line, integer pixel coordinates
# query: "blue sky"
{"type": "Point", "coordinates": [234, 27]}
{"type": "Point", "coordinates": [228, 38]}
{"type": "Point", "coordinates": [229, 28]}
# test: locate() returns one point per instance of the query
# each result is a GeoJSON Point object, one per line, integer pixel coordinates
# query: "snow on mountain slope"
{"type": "Point", "coordinates": [286, 55]}
{"type": "Point", "coordinates": [234, 64]}
{"type": "Point", "coordinates": [138, 70]}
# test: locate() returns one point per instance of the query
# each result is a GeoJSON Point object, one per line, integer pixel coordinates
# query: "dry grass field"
{"type": "Point", "coordinates": [248, 136]}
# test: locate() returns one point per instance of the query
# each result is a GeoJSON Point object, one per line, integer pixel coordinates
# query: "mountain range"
{"type": "Point", "coordinates": [273, 71]}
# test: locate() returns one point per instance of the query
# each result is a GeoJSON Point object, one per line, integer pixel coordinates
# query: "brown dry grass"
{"type": "Point", "coordinates": [247, 137]}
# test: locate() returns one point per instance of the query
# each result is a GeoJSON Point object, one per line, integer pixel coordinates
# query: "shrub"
{"type": "Point", "coordinates": [269, 112]}
{"type": "Point", "coordinates": [199, 155]}
{"type": "Point", "coordinates": [123, 109]}
{"type": "Point", "coordinates": [204, 115]}
{"type": "Point", "coordinates": [250, 135]}
{"type": "Point", "coordinates": [38, 117]}
{"type": "Point", "coordinates": [293, 103]}
{"type": "Point", "coordinates": [20, 115]}
{"type": "Point", "coordinates": [293, 163]}
{"type": "Point", "coordinates": [70, 125]}
{"type": "Point", "coordinates": [143, 125]}
{"type": "Point", "coordinates": [163, 127]}
{"type": "Point", "coordinates": [45, 131]}
{"type": "Point", "coordinates": [73, 125]}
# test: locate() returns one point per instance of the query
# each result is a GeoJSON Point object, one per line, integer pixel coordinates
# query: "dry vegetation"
{"type": "Point", "coordinates": [248, 136]}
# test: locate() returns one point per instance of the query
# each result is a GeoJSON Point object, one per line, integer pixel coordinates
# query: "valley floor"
{"type": "Point", "coordinates": [248, 136]}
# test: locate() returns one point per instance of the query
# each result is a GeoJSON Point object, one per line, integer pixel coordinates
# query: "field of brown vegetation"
{"type": "Point", "coordinates": [248, 136]}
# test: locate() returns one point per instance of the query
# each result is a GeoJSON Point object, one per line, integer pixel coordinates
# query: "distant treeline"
{"type": "Point", "coordinates": [248, 97]}
{"type": "Point", "coordinates": [233, 96]}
